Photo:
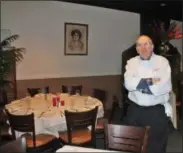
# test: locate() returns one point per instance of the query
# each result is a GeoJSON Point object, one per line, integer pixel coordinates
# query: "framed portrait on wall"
{"type": "Point", "coordinates": [76, 39]}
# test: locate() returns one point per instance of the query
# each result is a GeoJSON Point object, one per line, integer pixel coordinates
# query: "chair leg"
{"type": "Point", "coordinates": [124, 110]}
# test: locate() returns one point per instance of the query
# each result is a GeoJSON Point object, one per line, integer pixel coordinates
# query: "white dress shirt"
{"type": "Point", "coordinates": [156, 67]}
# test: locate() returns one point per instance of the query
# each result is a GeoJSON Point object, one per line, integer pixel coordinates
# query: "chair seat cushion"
{"type": "Point", "coordinates": [78, 136]}
{"type": "Point", "coordinates": [41, 139]}
{"type": "Point", "coordinates": [100, 124]}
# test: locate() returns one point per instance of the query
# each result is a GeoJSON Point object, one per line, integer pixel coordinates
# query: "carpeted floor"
{"type": "Point", "coordinates": [175, 141]}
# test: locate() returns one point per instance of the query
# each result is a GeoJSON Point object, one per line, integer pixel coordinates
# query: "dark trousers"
{"type": "Point", "coordinates": [153, 116]}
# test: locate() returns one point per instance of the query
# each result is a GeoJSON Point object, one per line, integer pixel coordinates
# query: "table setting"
{"type": "Point", "coordinates": [49, 110]}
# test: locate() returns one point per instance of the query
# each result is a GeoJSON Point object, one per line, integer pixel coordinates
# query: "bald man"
{"type": "Point", "coordinates": [148, 80]}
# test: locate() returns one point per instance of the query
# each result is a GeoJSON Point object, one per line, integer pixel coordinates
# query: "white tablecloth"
{"type": "Point", "coordinates": [49, 119]}
{"type": "Point", "coordinates": [68, 148]}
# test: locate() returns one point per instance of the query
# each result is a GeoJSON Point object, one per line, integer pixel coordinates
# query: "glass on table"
{"type": "Point", "coordinates": [69, 90]}
{"type": "Point", "coordinates": [62, 102]}
{"type": "Point", "coordinates": [77, 92]}
{"type": "Point", "coordinates": [54, 101]}
{"type": "Point", "coordinates": [58, 98]}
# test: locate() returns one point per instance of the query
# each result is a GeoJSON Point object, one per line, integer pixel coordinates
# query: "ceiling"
{"type": "Point", "coordinates": [164, 8]}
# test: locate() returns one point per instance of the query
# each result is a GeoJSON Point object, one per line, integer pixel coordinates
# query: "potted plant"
{"type": "Point", "coordinates": [9, 55]}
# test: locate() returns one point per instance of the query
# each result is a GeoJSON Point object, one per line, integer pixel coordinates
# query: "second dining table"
{"type": "Point", "coordinates": [48, 118]}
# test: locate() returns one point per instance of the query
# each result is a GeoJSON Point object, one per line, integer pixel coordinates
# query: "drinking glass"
{"type": "Point", "coordinates": [78, 92]}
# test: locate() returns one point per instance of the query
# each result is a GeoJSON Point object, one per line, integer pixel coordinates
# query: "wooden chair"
{"type": "Point", "coordinates": [77, 128]}
{"type": "Point", "coordinates": [5, 136]}
{"type": "Point", "coordinates": [115, 105]}
{"type": "Point", "coordinates": [15, 146]}
{"type": "Point", "coordinates": [4, 128]}
{"type": "Point", "coordinates": [46, 89]}
{"type": "Point", "coordinates": [126, 138]}
{"type": "Point", "coordinates": [102, 96]}
{"type": "Point", "coordinates": [108, 117]}
{"type": "Point", "coordinates": [74, 89]}
{"type": "Point", "coordinates": [33, 91]}
{"type": "Point", "coordinates": [25, 123]}
{"type": "Point", "coordinates": [108, 114]}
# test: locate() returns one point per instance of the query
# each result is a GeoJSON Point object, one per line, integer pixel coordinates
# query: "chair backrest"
{"type": "Point", "coordinates": [115, 104]}
{"type": "Point", "coordinates": [33, 91]}
{"type": "Point", "coordinates": [45, 89]}
{"type": "Point", "coordinates": [80, 120]}
{"type": "Point", "coordinates": [100, 94]}
{"type": "Point", "coordinates": [126, 138]}
{"type": "Point", "coordinates": [73, 89]}
{"type": "Point", "coordinates": [22, 123]}
{"type": "Point", "coordinates": [15, 146]}
{"type": "Point", "coordinates": [3, 116]}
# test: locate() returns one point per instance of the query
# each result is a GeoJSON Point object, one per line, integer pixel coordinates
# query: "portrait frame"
{"type": "Point", "coordinates": [75, 39]}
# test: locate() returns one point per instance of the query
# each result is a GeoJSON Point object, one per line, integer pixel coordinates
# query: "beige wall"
{"type": "Point", "coordinates": [40, 25]}
{"type": "Point", "coordinates": [41, 28]}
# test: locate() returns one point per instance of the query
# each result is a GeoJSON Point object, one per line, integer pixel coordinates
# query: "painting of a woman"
{"type": "Point", "coordinates": [76, 44]}
{"type": "Point", "coordinates": [76, 39]}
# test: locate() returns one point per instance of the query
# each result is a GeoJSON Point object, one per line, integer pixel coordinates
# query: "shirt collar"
{"type": "Point", "coordinates": [149, 59]}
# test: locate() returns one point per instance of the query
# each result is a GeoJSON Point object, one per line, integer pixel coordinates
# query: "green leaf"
{"type": "Point", "coordinates": [9, 55]}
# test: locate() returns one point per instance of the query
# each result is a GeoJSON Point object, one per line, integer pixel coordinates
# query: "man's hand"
{"type": "Point", "coordinates": [155, 80]}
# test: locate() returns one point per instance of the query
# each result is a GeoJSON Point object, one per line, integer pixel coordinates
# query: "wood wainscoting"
{"type": "Point", "coordinates": [110, 83]}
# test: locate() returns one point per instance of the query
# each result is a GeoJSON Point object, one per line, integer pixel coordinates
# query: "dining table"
{"type": "Point", "coordinates": [48, 117]}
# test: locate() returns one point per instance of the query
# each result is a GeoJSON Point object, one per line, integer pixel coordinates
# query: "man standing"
{"type": "Point", "coordinates": [148, 80]}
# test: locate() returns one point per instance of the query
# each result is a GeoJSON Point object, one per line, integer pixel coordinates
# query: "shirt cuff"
{"type": "Point", "coordinates": [149, 81]}
{"type": "Point", "coordinates": [143, 86]}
